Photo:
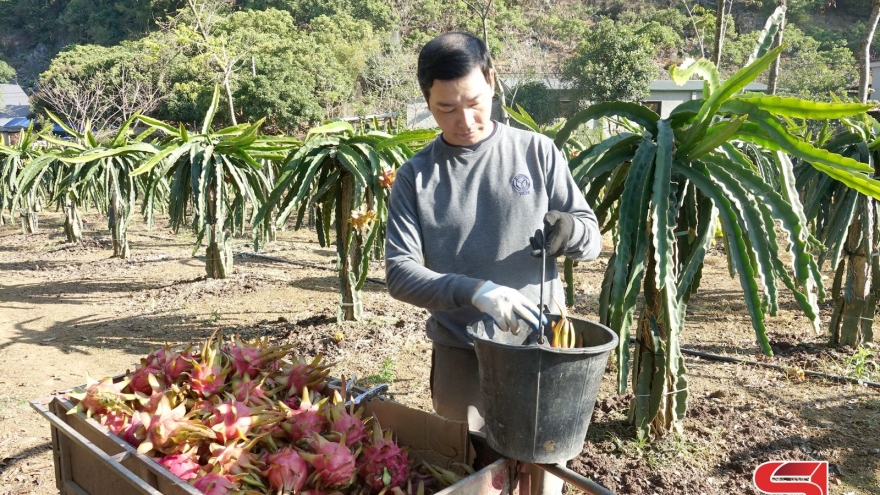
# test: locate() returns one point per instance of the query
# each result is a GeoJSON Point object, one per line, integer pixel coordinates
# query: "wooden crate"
{"type": "Point", "coordinates": [89, 460]}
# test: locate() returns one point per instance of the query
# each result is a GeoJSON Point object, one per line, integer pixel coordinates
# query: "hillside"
{"type": "Point", "coordinates": [357, 56]}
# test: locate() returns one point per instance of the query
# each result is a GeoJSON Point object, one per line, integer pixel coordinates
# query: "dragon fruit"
{"type": "Point", "coordinates": [333, 462]}
{"type": "Point", "coordinates": [234, 458]}
{"type": "Point", "coordinates": [184, 466]}
{"type": "Point", "coordinates": [382, 464]}
{"type": "Point", "coordinates": [305, 420]}
{"type": "Point", "coordinates": [115, 421]}
{"type": "Point", "coordinates": [303, 374]}
{"type": "Point", "coordinates": [286, 470]}
{"type": "Point", "coordinates": [248, 359]}
{"type": "Point", "coordinates": [207, 377]}
{"type": "Point", "coordinates": [176, 364]}
{"type": "Point", "coordinates": [140, 377]}
{"type": "Point", "coordinates": [215, 484]}
{"type": "Point", "coordinates": [101, 397]}
{"type": "Point", "coordinates": [346, 424]}
{"type": "Point", "coordinates": [168, 431]}
{"type": "Point", "coordinates": [230, 420]}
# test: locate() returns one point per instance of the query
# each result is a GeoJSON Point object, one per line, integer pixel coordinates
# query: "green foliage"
{"type": "Point", "coordinates": [280, 73]}
{"type": "Point", "coordinates": [612, 63]}
{"type": "Point", "coordinates": [212, 174]}
{"type": "Point", "coordinates": [537, 100]}
{"type": "Point", "coordinates": [101, 170]}
{"type": "Point", "coordinates": [667, 186]}
{"type": "Point", "coordinates": [343, 175]}
{"type": "Point", "coordinates": [7, 73]}
{"type": "Point", "coordinates": [104, 85]}
{"type": "Point", "coordinates": [810, 73]}
{"type": "Point", "coordinates": [863, 364]}
{"type": "Point", "coordinates": [16, 193]}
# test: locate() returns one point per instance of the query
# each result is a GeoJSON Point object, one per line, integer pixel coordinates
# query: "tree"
{"type": "Point", "coordinates": [777, 41]}
{"type": "Point", "coordinates": [210, 173]}
{"type": "Point", "coordinates": [611, 63]}
{"type": "Point", "coordinates": [102, 170]}
{"type": "Point", "coordinates": [721, 12]}
{"type": "Point", "coordinates": [865, 52]}
{"type": "Point", "coordinates": [7, 73]}
{"type": "Point", "coordinates": [537, 100]}
{"type": "Point", "coordinates": [104, 86]}
{"type": "Point", "coordinates": [344, 174]}
{"type": "Point", "coordinates": [14, 158]}
{"type": "Point", "coordinates": [810, 72]}
{"type": "Point", "coordinates": [681, 175]}
{"type": "Point", "coordinates": [845, 221]}
{"type": "Point", "coordinates": [221, 54]}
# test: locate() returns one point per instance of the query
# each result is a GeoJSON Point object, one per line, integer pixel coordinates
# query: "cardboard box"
{"type": "Point", "coordinates": [89, 460]}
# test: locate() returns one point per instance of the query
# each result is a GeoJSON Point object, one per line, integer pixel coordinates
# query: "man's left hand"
{"type": "Point", "coordinates": [558, 229]}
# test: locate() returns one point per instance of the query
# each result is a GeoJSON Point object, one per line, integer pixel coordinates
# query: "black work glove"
{"type": "Point", "coordinates": [558, 229]}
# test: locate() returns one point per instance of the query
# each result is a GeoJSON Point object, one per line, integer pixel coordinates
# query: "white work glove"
{"type": "Point", "coordinates": [504, 305]}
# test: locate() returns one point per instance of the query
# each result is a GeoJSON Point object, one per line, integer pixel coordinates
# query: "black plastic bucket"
{"type": "Point", "coordinates": [539, 400]}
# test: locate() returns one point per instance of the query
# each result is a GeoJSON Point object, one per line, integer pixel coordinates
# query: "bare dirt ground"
{"type": "Point", "coordinates": [70, 310]}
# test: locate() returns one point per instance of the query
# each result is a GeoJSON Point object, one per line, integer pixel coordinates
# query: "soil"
{"type": "Point", "coordinates": [68, 310]}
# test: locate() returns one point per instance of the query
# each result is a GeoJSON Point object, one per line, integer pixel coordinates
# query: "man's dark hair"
{"type": "Point", "coordinates": [451, 56]}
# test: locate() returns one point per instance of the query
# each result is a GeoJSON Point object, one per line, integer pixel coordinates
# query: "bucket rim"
{"type": "Point", "coordinates": [598, 349]}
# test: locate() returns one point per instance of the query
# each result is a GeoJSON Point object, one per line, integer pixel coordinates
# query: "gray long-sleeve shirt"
{"type": "Point", "coordinates": [457, 216]}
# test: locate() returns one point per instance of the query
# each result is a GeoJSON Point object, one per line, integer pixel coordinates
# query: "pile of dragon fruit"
{"type": "Point", "coordinates": [247, 417]}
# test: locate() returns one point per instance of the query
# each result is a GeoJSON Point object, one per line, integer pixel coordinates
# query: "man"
{"type": "Point", "coordinates": [461, 215]}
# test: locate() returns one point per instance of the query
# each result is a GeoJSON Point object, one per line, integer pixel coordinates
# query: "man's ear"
{"type": "Point", "coordinates": [491, 80]}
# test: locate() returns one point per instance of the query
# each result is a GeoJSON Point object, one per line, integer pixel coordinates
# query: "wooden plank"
{"type": "Point", "coordinates": [71, 488]}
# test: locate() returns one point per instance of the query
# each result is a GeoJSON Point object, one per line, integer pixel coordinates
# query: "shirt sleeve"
{"type": "Point", "coordinates": [407, 277]}
{"type": "Point", "coordinates": [565, 195]}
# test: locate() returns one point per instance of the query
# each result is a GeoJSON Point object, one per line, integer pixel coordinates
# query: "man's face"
{"type": "Point", "coordinates": [463, 108]}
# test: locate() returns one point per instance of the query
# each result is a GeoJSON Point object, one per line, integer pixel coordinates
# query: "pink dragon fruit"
{"type": "Point", "coordinates": [234, 458]}
{"type": "Point", "coordinates": [346, 424]}
{"type": "Point", "coordinates": [135, 433]}
{"type": "Point", "coordinates": [230, 420]}
{"type": "Point", "coordinates": [286, 470]}
{"type": "Point", "coordinates": [303, 374]}
{"type": "Point", "coordinates": [140, 377]}
{"type": "Point", "coordinates": [251, 392]}
{"type": "Point", "coordinates": [168, 431]}
{"type": "Point", "coordinates": [208, 375]}
{"type": "Point", "coordinates": [249, 358]}
{"type": "Point", "coordinates": [101, 397]}
{"type": "Point", "coordinates": [184, 466]}
{"type": "Point", "coordinates": [176, 364]}
{"type": "Point", "coordinates": [333, 462]}
{"type": "Point", "coordinates": [304, 421]}
{"type": "Point", "coordinates": [115, 421]}
{"type": "Point", "coordinates": [382, 464]}
{"type": "Point", "coordinates": [215, 484]}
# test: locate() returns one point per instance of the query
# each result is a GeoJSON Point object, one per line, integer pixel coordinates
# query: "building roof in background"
{"type": "Point", "coordinates": [668, 85]}
{"type": "Point", "coordinates": [657, 85]}
{"type": "Point", "coordinates": [13, 101]}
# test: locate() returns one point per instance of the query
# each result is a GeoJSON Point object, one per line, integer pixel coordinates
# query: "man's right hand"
{"type": "Point", "coordinates": [504, 305]}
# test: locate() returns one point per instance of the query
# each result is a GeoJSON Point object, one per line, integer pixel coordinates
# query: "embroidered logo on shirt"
{"type": "Point", "coordinates": [521, 184]}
